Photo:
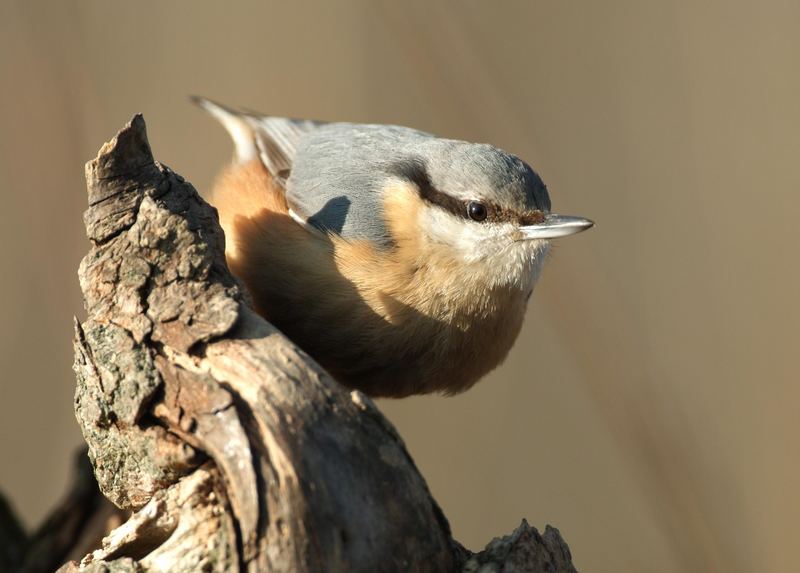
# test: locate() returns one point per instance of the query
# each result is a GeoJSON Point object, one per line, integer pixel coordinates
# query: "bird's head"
{"type": "Point", "coordinates": [487, 208]}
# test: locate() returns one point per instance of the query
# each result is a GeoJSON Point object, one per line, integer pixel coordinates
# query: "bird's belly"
{"type": "Point", "coordinates": [362, 349]}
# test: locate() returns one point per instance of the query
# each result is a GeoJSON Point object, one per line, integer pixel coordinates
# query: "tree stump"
{"type": "Point", "coordinates": [231, 447]}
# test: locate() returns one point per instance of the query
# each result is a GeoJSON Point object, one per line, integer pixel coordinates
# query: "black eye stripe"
{"type": "Point", "coordinates": [414, 170]}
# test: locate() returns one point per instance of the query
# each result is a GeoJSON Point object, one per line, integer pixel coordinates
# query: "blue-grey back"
{"type": "Point", "coordinates": [339, 173]}
{"type": "Point", "coordinates": [341, 170]}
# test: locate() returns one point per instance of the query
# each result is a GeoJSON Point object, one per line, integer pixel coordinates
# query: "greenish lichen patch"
{"type": "Point", "coordinates": [117, 379]}
{"type": "Point", "coordinates": [127, 374]}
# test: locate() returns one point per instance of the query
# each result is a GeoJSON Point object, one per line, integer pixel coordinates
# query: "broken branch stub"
{"type": "Point", "coordinates": [233, 448]}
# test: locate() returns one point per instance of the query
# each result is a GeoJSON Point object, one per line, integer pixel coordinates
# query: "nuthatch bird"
{"type": "Point", "coordinates": [400, 261]}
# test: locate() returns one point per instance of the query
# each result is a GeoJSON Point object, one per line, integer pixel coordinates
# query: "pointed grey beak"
{"type": "Point", "coordinates": [556, 226]}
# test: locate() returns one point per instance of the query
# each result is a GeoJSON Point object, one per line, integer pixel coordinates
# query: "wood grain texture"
{"type": "Point", "coordinates": [232, 447]}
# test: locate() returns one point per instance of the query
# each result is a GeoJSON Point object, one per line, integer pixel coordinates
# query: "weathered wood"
{"type": "Point", "coordinates": [233, 448]}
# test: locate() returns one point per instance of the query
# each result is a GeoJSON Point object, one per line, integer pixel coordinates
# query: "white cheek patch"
{"type": "Point", "coordinates": [471, 241]}
{"type": "Point", "coordinates": [488, 251]}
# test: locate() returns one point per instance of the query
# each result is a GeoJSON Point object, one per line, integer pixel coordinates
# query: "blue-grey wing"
{"type": "Point", "coordinates": [339, 173]}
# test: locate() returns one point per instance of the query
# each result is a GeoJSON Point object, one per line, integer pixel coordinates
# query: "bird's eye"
{"type": "Point", "coordinates": [476, 211]}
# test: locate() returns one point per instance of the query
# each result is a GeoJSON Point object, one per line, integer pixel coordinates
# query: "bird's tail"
{"type": "Point", "coordinates": [271, 139]}
{"type": "Point", "coordinates": [237, 125]}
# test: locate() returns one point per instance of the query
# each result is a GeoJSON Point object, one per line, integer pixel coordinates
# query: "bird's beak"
{"type": "Point", "coordinates": [556, 226]}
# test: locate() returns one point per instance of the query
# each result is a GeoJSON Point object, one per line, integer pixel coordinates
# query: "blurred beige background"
{"type": "Point", "coordinates": [650, 409]}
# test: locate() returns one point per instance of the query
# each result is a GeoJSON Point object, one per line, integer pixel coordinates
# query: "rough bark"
{"type": "Point", "coordinates": [233, 448]}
